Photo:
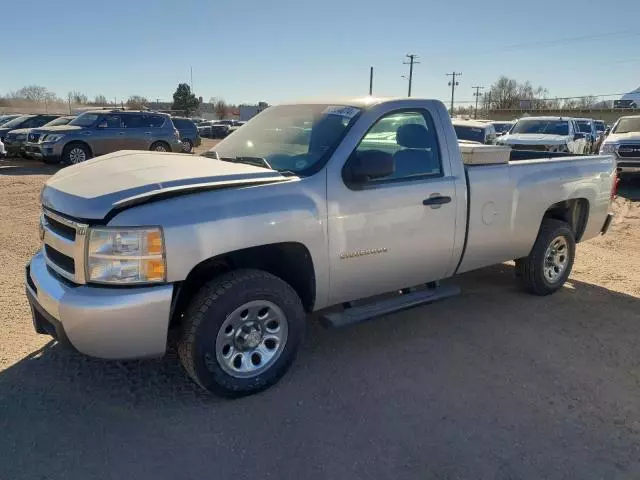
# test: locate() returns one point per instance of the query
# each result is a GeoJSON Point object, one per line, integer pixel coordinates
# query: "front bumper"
{"type": "Point", "coordinates": [43, 150]}
{"type": "Point", "coordinates": [14, 147]}
{"type": "Point", "coordinates": [104, 322]}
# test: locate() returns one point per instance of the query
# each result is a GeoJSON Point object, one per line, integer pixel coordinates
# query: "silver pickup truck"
{"type": "Point", "coordinates": [309, 207]}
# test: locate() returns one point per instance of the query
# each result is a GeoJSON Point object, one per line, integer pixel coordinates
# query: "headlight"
{"type": "Point", "coordinates": [608, 147]}
{"type": "Point", "coordinates": [126, 255]}
{"type": "Point", "coordinates": [53, 137]}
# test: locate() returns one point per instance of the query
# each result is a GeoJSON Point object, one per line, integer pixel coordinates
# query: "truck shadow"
{"type": "Point", "coordinates": [494, 363]}
{"type": "Point", "coordinates": [630, 189]}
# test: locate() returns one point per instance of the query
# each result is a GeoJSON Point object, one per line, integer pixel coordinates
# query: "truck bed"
{"type": "Point", "coordinates": [508, 201]}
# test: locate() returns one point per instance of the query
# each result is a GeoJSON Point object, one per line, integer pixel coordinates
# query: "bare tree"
{"type": "Point", "coordinates": [77, 97]}
{"type": "Point", "coordinates": [99, 100]}
{"type": "Point", "coordinates": [137, 101]}
{"type": "Point", "coordinates": [507, 93]}
{"type": "Point", "coordinates": [33, 93]}
{"type": "Point", "coordinates": [221, 109]}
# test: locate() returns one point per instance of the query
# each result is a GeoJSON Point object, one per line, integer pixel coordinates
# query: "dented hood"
{"type": "Point", "coordinates": [94, 188]}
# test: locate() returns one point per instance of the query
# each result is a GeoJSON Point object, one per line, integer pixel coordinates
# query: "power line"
{"type": "Point", "coordinates": [453, 85]}
{"type": "Point", "coordinates": [412, 60]}
{"type": "Point", "coordinates": [477, 95]}
{"type": "Point", "coordinates": [566, 40]}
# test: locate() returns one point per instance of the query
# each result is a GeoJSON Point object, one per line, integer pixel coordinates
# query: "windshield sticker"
{"type": "Point", "coordinates": [348, 112]}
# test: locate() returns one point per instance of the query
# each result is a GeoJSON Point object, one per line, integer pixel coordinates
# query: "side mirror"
{"type": "Point", "coordinates": [368, 165]}
{"type": "Point", "coordinates": [578, 136]}
{"type": "Point", "coordinates": [607, 131]}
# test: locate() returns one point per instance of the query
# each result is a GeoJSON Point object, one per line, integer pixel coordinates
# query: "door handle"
{"type": "Point", "coordinates": [120, 133]}
{"type": "Point", "coordinates": [147, 133]}
{"type": "Point", "coordinates": [439, 200]}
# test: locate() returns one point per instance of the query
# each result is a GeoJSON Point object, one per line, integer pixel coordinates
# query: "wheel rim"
{"type": "Point", "coordinates": [556, 259]}
{"type": "Point", "coordinates": [186, 145]}
{"type": "Point", "coordinates": [160, 148]}
{"type": "Point", "coordinates": [251, 339]}
{"type": "Point", "coordinates": [77, 155]}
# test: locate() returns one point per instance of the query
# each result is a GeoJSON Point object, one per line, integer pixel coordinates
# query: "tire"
{"type": "Point", "coordinates": [214, 336]}
{"type": "Point", "coordinates": [549, 264]}
{"type": "Point", "coordinates": [75, 153]}
{"type": "Point", "coordinates": [160, 147]}
{"type": "Point", "coordinates": [187, 145]}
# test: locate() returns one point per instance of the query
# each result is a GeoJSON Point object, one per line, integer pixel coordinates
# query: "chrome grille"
{"type": "Point", "coordinates": [64, 245]}
{"type": "Point", "coordinates": [629, 150]}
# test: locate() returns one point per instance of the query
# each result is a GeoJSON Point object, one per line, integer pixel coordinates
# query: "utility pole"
{"type": "Point", "coordinates": [453, 85]}
{"type": "Point", "coordinates": [191, 79]}
{"type": "Point", "coordinates": [371, 81]}
{"type": "Point", "coordinates": [477, 95]}
{"type": "Point", "coordinates": [69, 100]}
{"type": "Point", "coordinates": [412, 61]}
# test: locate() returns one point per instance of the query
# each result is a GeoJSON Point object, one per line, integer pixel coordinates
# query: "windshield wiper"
{"type": "Point", "coordinates": [255, 161]}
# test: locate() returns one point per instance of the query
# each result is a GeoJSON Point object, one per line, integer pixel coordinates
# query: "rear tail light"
{"type": "Point", "coordinates": [176, 133]}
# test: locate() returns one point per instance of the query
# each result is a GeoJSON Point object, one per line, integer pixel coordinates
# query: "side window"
{"type": "Point", "coordinates": [153, 121]}
{"type": "Point", "coordinates": [133, 120]}
{"type": "Point", "coordinates": [410, 138]}
{"type": "Point", "coordinates": [114, 121]}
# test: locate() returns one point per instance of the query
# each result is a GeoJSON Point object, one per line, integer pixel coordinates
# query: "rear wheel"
{"type": "Point", "coordinates": [160, 147]}
{"type": "Point", "coordinates": [75, 153]}
{"type": "Point", "coordinates": [187, 146]}
{"type": "Point", "coordinates": [241, 333]}
{"type": "Point", "coordinates": [549, 264]}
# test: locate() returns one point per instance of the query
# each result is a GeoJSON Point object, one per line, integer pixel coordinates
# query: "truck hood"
{"type": "Point", "coordinates": [623, 137]}
{"type": "Point", "coordinates": [532, 139]}
{"type": "Point", "coordinates": [91, 190]}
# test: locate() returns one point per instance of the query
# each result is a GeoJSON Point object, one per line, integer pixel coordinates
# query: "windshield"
{"type": "Point", "coordinates": [465, 132]}
{"type": "Point", "coordinates": [16, 121]}
{"type": "Point", "coordinates": [502, 127]}
{"type": "Point", "coordinates": [585, 126]}
{"type": "Point", "coordinates": [547, 127]}
{"type": "Point", "coordinates": [58, 121]}
{"type": "Point", "coordinates": [627, 125]}
{"type": "Point", "coordinates": [85, 120]}
{"type": "Point", "coordinates": [6, 119]}
{"type": "Point", "coordinates": [289, 137]}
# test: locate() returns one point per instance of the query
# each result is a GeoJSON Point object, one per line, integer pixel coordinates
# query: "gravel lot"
{"type": "Point", "coordinates": [492, 384]}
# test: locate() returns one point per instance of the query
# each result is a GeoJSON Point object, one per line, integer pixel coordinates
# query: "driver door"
{"type": "Point", "coordinates": [384, 234]}
{"type": "Point", "coordinates": [109, 135]}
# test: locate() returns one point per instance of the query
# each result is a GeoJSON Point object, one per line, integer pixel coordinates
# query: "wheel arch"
{"type": "Point", "coordinates": [290, 261]}
{"type": "Point", "coordinates": [574, 212]}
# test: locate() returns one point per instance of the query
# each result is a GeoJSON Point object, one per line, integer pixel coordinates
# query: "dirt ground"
{"type": "Point", "coordinates": [492, 384]}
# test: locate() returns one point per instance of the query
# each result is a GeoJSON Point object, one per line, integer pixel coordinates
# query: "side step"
{"type": "Point", "coordinates": [362, 313]}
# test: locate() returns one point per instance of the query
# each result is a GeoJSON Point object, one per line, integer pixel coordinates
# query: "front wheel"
{"type": "Point", "coordinates": [241, 333]}
{"type": "Point", "coordinates": [549, 264]}
{"type": "Point", "coordinates": [75, 153]}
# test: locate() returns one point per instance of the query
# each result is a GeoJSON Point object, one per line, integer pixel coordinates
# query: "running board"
{"type": "Point", "coordinates": [366, 312]}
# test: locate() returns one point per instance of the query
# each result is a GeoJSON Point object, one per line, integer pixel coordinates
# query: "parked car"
{"type": "Point", "coordinates": [189, 135]}
{"type": "Point", "coordinates": [6, 118]}
{"type": "Point", "coordinates": [624, 143]}
{"type": "Point", "coordinates": [25, 121]}
{"type": "Point", "coordinates": [99, 132]}
{"type": "Point", "coordinates": [502, 127]}
{"type": "Point", "coordinates": [546, 134]}
{"type": "Point", "coordinates": [16, 140]}
{"type": "Point", "coordinates": [473, 131]}
{"type": "Point", "coordinates": [602, 129]}
{"type": "Point", "coordinates": [588, 127]}
{"type": "Point", "coordinates": [236, 125]}
{"type": "Point", "coordinates": [185, 244]}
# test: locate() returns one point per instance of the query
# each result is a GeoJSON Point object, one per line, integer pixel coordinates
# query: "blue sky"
{"type": "Point", "coordinates": [278, 50]}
